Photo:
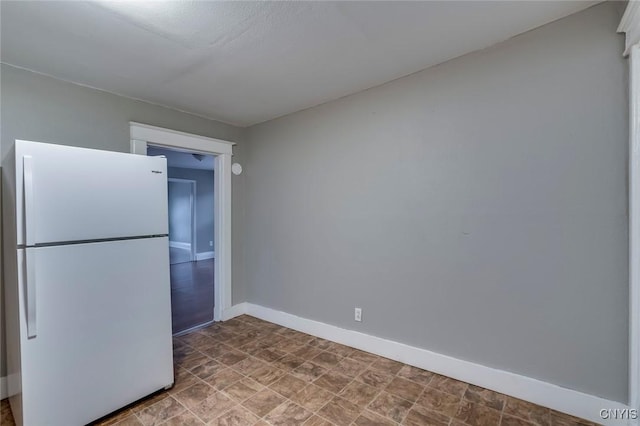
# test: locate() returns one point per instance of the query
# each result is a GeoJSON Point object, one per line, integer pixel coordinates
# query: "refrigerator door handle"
{"type": "Point", "coordinates": [30, 292]}
{"type": "Point", "coordinates": [29, 218]}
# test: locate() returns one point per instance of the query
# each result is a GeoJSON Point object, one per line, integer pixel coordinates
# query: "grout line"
{"type": "Point", "coordinates": [283, 332]}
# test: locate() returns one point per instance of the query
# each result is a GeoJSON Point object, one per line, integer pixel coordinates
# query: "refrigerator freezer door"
{"type": "Point", "coordinates": [76, 194]}
{"type": "Point", "coordinates": [104, 329]}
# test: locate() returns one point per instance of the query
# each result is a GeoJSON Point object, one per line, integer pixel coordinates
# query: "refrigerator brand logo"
{"type": "Point", "coordinates": [156, 171]}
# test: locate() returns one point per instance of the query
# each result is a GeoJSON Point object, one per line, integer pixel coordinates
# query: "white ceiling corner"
{"type": "Point", "coordinates": [251, 61]}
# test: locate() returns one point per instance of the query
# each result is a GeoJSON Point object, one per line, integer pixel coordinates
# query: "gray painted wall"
{"type": "Point", "coordinates": [41, 108]}
{"type": "Point", "coordinates": [204, 204]}
{"type": "Point", "coordinates": [179, 203]}
{"type": "Point", "coordinates": [477, 209]}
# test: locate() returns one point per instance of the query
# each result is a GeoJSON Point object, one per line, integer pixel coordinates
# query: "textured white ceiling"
{"type": "Point", "coordinates": [248, 62]}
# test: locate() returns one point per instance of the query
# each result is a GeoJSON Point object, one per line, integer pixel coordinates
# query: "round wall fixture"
{"type": "Point", "coordinates": [236, 169]}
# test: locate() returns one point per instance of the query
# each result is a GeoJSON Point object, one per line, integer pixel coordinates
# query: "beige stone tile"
{"type": "Point", "coordinates": [150, 400]}
{"type": "Point", "coordinates": [248, 365]}
{"type": "Point", "coordinates": [307, 352]}
{"type": "Point", "coordinates": [312, 397]}
{"type": "Point", "coordinates": [237, 416]}
{"type": "Point", "coordinates": [243, 389]}
{"type": "Point", "coordinates": [485, 397]}
{"type": "Point", "coordinates": [442, 402]}
{"type": "Point", "coordinates": [309, 371]}
{"type": "Point", "coordinates": [217, 350]}
{"type": "Point", "coordinates": [184, 419]}
{"type": "Point", "coordinates": [267, 375]}
{"type": "Point", "coordinates": [340, 350]}
{"type": "Point", "coordinates": [508, 420]}
{"type": "Point", "coordinates": [182, 380]}
{"type": "Point", "coordinates": [317, 421]}
{"type": "Point", "coordinates": [290, 333]}
{"type": "Point", "coordinates": [288, 385]}
{"type": "Point", "coordinates": [109, 420]}
{"type": "Point", "coordinates": [421, 416]}
{"type": "Point", "coordinates": [263, 402]}
{"type": "Point", "coordinates": [477, 414]}
{"type": "Point", "coordinates": [231, 357]}
{"type": "Point", "coordinates": [192, 360]}
{"type": "Point", "coordinates": [415, 374]}
{"type": "Point", "coordinates": [390, 406]}
{"type": "Point", "coordinates": [326, 359]}
{"type": "Point", "coordinates": [387, 365]}
{"type": "Point", "coordinates": [130, 420]}
{"type": "Point", "coordinates": [339, 411]}
{"type": "Point", "coordinates": [289, 345]}
{"type": "Point", "coordinates": [320, 343]}
{"type": "Point", "coordinates": [224, 378]}
{"type": "Point", "coordinates": [367, 418]}
{"type": "Point", "coordinates": [255, 347]}
{"type": "Point", "coordinates": [160, 411]}
{"type": "Point", "coordinates": [359, 393]}
{"type": "Point", "coordinates": [404, 388]}
{"type": "Point", "coordinates": [270, 354]}
{"type": "Point", "coordinates": [288, 362]}
{"type": "Point", "coordinates": [212, 407]}
{"type": "Point", "coordinates": [288, 413]}
{"type": "Point", "coordinates": [207, 369]}
{"type": "Point", "coordinates": [527, 411]}
{"type": "Point", "coordinates": [350, 367]}
{"type": "Point", "coordinates": [193, 395]}
{"type": "Point", "coordinates": [239, 340]}
{"type": "Point", "coordinates": [304, 339]}
{"type": "Point", "coordinates": [332, 381]}
{"type": "Point", "coordinates": [197, 339]}
{"type": "Point", "coordinates": [363, 356]}
{"type": "Point", "coordinates": [448, 385]}
{"type": "Point", "coordinates": [376, 378]}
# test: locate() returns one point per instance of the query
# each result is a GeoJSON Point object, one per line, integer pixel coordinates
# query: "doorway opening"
{"type": "Point", "coordinates": [190, 180]}
{"type": "Point", "coordinates": [144, 136]}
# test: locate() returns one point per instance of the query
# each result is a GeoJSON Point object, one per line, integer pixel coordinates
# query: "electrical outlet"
{"type": "Point", "coordinates": [210, 243]}
{"type": "Point", "coordinates": [358, 314]}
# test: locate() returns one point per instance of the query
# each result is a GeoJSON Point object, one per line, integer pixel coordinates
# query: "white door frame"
{"type": "Point", "coordinates": [193, 187]}
{"type": "Point", "coordinates": [142, 135]}
{"type": "Point", "coordinates": [630, 25]}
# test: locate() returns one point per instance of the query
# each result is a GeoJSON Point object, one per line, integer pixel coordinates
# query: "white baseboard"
{"type": "Point", "coordinates": [542, 393]}
{"type": "Point", "coordinates": [206, 255]}
{"type": "Point", "coordinates": [234, 311]}
{"type": "Point", "coordinates": [176, 244]}
{"type": "Point", "coordinates": [3, 388]}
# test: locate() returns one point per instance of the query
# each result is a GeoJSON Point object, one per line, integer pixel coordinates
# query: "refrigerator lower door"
{"type": "Point", "coordinates": [103, 321]}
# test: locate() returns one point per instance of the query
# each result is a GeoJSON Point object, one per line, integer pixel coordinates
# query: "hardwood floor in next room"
{"type": "Point", "coordinates": [191, 294]}
{"type": "Point", "coordinates": [250, 372]}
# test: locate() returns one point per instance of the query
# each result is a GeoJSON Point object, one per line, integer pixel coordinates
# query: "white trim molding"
{"type": "Point", "coordinates": [3, 388]}
{"type": "Point", "coordinates": [634, 226]}
{"type": "Point", "coordinates": [206, 255]}
{"type": "Point", "coordinates": [235, 311]}
{"type": "Point", "coordinates": [630, 25]}
{"type": "Point", "coordinates": [180, 245]}
{"type": "Point", "coordinates": [542, 393]}
{"type": "Point", "coordinates": [175, 139]}
{"type": "Point", "coordinates": [143, 135]}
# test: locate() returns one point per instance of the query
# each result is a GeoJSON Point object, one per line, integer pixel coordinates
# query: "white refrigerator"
{"type": "Point", "coordinates": [86, 270]}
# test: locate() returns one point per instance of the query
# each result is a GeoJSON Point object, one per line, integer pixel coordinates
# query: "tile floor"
{"type": "Point", "coordinates": [251, 372]}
